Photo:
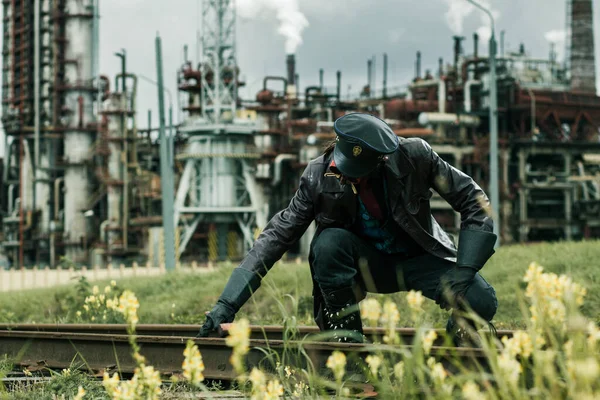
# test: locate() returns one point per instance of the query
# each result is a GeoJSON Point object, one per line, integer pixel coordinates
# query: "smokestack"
{"type": "Point", "coordinates": [457, 49]}
{"type": "Point", "coordinates": [440, 67]}
{"type": "Point", "coordinates": [291, 69]}
{"type": "Point", "coordinates": [418, 65]}
{"type": "Point", "coordinates": [475, 45]}
{"type": "Point", "coordinates": [502, 43]}
{"type": "Point", "coordinates": [583, 61]}
{"type": "Point", "coordinates": [369, 72]}
{"type": "Point", "coordinates": [297, 81]}
{"type": "Point", "coordinates": [321, 79]}
{"type": "Point", "coordinates": [385, 66]}
{"type": "Point", "coordinates": [339, 84]}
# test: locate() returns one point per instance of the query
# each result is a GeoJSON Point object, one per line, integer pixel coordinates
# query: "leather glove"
{"type": "Point", "coordinates": [221, 313]}
{"type": "Point", "coordinates": [453, 286]}
{"type": "Point", "coordinates": [475, 247]}
{"type": "Point", "coordinates": [242, 283]}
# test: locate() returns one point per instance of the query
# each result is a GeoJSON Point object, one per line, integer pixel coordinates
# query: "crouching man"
{"type": "Point", "coordinates": [369, 194]}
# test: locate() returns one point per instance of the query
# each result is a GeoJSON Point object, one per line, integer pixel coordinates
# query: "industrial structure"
{"type": "Point", "coordinates": [81, 181]}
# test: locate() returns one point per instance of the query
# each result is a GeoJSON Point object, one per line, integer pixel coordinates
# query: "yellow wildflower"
{"type": "Point", "coordinates": [259, 384]}
{"type": "Point", "coordinates": [586, 370]}
{"type": "Point", "coordinates": [415, 303]}
{"type": "Point", "coordinates": [390, 318]}
{"type": "Point", "coordinates": [437, 370]}
{"type": "Point", "coordinates": [257, 377]}
{"type": "Point", "coordinates": [428, 341]}
{"type": "Point", "coordinates": [299, 389]}
{"type": "Point", "coordinates": [239, 340]}
{"type": "Point", "coordinates": [288, 371]}
{"type": "Point", "coordinates": [107, 289]}
{"type": "Point", "coordinates": [27, 372]}
{"type": "Point", "coordinates": [113, 283]}
{"type": "Point", "coordinates": [374, 363]}
{"type": "Point", "coordinates": [193, 366]}
{"type": "Point", "coordinates": [66, 372]}
{"type": "Point", "coordinates": [80, 393]}
{"type": "Point", "coordinates": [519, 344]}
{"type": "Point", "coordinates": [399, 371]}
{"type": "Point", "coordinates": [274, 390]}
{"type": "Point", "coordinates": [470, 391]}
{"type": "Point", "coordinates": [370, 310]}
{"type": "Point", "coordinates": [128, 306]}
{"type": "Point", "coordinates": [337, 363]}
{"type": "Point", "coordinates": [510, 367]}
{"type": "Point", "coordinates": [594, 335]}
{"type": "Point", "coordinates": [95, 289]}
{"type": "Point", "coordinates": [78, 313]}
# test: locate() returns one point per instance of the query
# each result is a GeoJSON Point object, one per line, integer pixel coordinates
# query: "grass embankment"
{"type": "Point", "coordinates": [183, 298]}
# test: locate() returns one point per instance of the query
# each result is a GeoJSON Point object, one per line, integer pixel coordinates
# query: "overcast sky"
{"type": "Point", "coordinates": [334, 34]}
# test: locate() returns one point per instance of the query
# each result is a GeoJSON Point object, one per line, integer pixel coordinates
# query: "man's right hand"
{"type": "Point", "coordinates": [221, 313]}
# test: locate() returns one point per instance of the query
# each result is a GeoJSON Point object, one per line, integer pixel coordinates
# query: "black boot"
{"type": "Point", "coordinates": [342, 315]}
{"type": "Point", "coordinates": [463, 332]}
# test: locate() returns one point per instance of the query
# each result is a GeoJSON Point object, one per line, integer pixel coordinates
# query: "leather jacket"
{"type": "Point", "coordinates": [411, 172]}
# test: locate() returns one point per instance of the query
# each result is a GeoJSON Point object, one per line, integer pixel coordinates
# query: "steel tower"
{"type": "Point", "coordinates": [217, 188]}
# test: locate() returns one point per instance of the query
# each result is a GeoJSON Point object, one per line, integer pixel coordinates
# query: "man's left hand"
{"type": "Point", "coordinates": [453, 286]}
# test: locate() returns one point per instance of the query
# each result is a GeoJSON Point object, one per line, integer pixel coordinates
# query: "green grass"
{"type": "Point", "coordinates": [183, 298]}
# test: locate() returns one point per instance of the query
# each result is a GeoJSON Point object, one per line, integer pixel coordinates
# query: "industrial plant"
{"type": "Point", "coordinates": [81, 176]}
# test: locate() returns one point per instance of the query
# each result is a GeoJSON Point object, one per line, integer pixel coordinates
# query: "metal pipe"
{"type": "Point", "coordinates": [185, 53]}
{"type": "Point", "coordinates": [11, 196]}
{"type": "Point", "coordinates": [103, 234]}
{"type": "Point", "coordinates": [369, 73]}
{"type": "Point", "coordinates": [385, 72]}
{"type": "Point", "coordinates": [339, 85]}
{"type": "Point", "coordinates": [321, 78]}
{"type": "Point", "coordinates": [123, 56]}
{"type": "Point", "coordinates": [36, 81]}
{"type": "Point", "coordinates": [418, 65]}
{"type": "Point", "coordinates": [170, 137]}
{"type": "Point", "coordinates": [533, 116]}
{"type": "Point", "coordinates": [275, 78]}
{"type": "Point", "coordinates": [430, 118]}
{"type": "Point", "coordinates": [57, 182]}
{"type": "Point", "coordinates": [468, 84]}
{"type": "Point", "coordinates": [277, 166]}
{"type": "Point", "coordinates": [166, 173]}
{"type": "Point", "coordinates": [442, 95]}
{"type": "Point", "coordinates": [440, 67]}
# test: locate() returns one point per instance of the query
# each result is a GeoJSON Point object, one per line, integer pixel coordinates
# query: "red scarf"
{"type": "Point", "coordinates": [367, 196]}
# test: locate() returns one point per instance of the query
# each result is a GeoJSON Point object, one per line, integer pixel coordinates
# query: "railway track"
{"type": "Point", "coordinates": [100, 348]}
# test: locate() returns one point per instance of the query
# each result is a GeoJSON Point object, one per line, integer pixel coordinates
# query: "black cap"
{"type": "Point", "coordinates": [361, 140]}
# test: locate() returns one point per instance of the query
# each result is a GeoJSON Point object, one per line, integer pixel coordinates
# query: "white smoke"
{"type": "Point", "coordinates": [291, 20]}
{"type": "Point", "coordinates": [558, 38]}
{"type": "Point", "coordinates": [458, 10]}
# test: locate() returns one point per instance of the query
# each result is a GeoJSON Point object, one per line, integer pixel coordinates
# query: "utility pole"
{"type": "Point", "coordinates": [166, 172]}
{"type": "Point", "coordinates": [494, 189]}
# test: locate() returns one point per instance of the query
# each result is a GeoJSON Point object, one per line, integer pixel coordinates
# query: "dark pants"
{"type": "Point", "coordinates": [341, 259]}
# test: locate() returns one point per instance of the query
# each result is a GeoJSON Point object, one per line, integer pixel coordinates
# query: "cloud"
{"type": "Point", "coordinates": [396, 34]}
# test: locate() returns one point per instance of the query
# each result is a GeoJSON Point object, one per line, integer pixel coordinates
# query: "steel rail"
{"type": "Point", "coordinates": [39, 350]}
{"type": "Point", "coordinates": [266, 332]}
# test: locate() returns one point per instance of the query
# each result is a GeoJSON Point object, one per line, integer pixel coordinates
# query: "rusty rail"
{"type": "Point", "coordinates": [266, 332]}
{"type": "Point", "coordinates": [100, 348]}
